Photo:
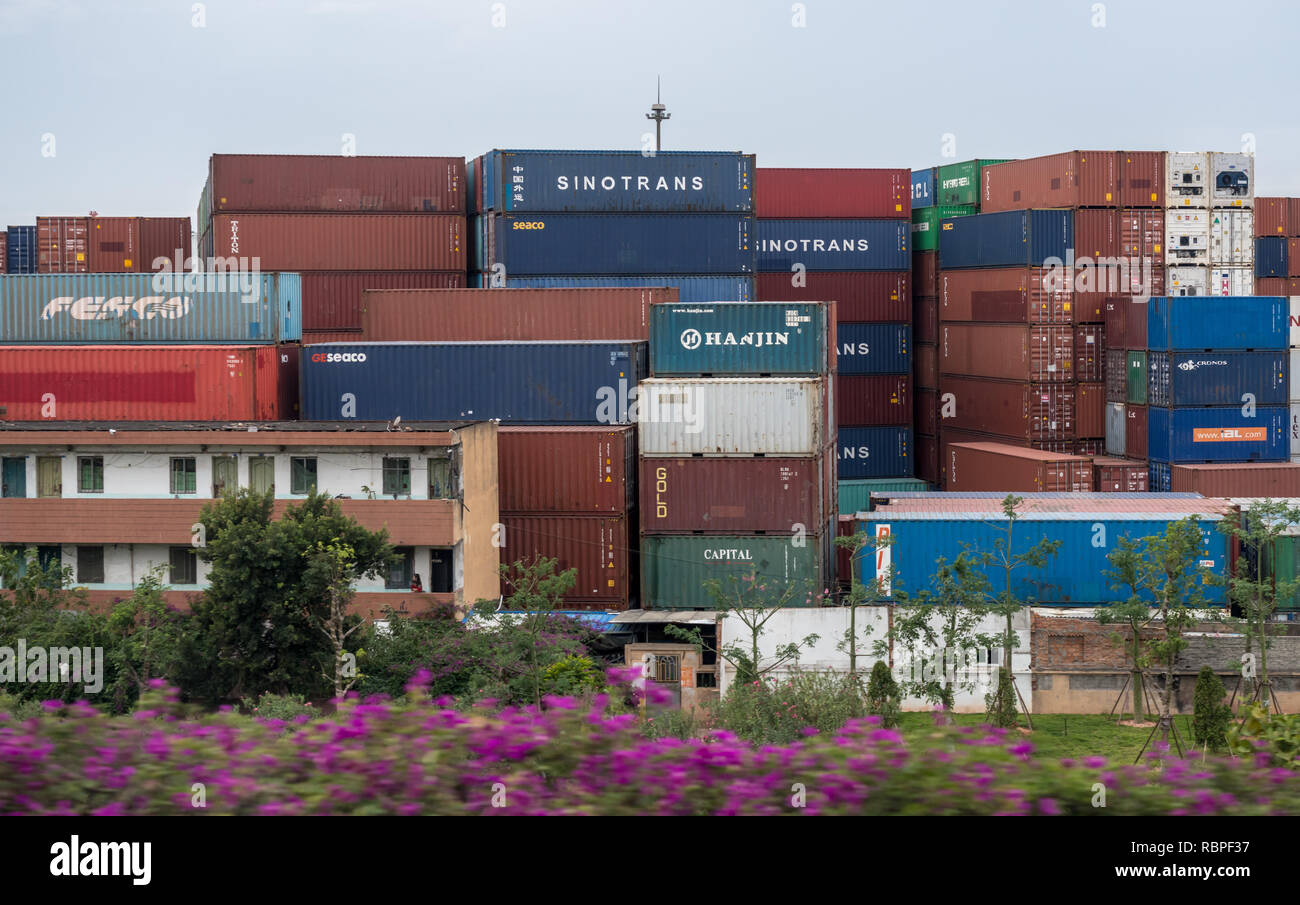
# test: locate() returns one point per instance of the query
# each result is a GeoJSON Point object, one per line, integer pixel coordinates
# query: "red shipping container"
{"type": "Point", "coordinates": [142, 383]}
{"type": "Point", "coordinates": [926, 412]}
{"type": "Point", "coordinates": [163, 237]}
{"type": "Point", "coordinates": [61, 245]}
{"type": "Point", "coordinates": [1089, 447]}
{"type": "Point", "coordinates": [861, 297]}
{"type": "Point", "coordinates": [1277, 286]}
{"type": "Point", "coordinates": [1116, 475]}
{"type": "Point", "coordinates": [1293, 258]}
{"type": "Point", "coordinates": [1085, 447]}
{"type": "Point", "coordinates": [332, 301]}
{"type": "Point", "coordinates": [1007, 351]}
{"type": "Point", "coordinates": [1096, 234]}
{"type": "Point", "coordinates": [782, 193]}
{"type": "Point", "coordinates": [1090, 411]}
{"type": "Point", "coordinates": [1001, 467]}
{"type": "Point", "coordinates": [1003, 408]}
{"type": "Point", "coordinates": [114, 245]}
{"type": "Point", "coordinates": [332, 336]}
{"type": "Point", "coordinates": [567, 469]}
{"type": "Point", "coordinates": [1116, 324]}
{"type": "Point", "coordinates": [300, 182]}
{"type": "Point", "coordinates": [1275, 480]}
{"type": "Point", "coordinates": [1277, 217]}
{"type": "Point", "coordinates": [1006, 296]}
{"type": "Point", "coordinates": [1142, 233]}
{"type": "Point", "coordinates": [1142, 179]}
{"type": "Point", "coordinates": [925, 320]}
{"type": "Point", "coordinates": [597, 546]}
{"type": "Point", "coordinates": [1116, 379]}
{"type": "Point", "coordinates": [925, 271]}
{"type": "Point", "coordinates": [4, 251]}
{"type": "Point", "coordinates": [1090, 353]}
{"type": "Point", "coordinates": [873, 399]}
{"type": "Point", "coordinates": [927, 366]}
{"type": "Point", "coordinates": [335, 242]}
{"type": "Point", "coordinates": [1072, 179]}
{"type": "Point", "coordinates": [699, 495]}
{"type": "Point", "coordinates": [1135, 433]}
{"type": "Point", "coordinates": [927, 460]}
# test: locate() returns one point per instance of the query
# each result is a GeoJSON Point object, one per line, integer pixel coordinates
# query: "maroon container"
{"type": "Point", "coordinates": [299, 242]}
{"type": "Point", "coordinates": [61, 245]}
{"type": "Point", "coordinates": [926, 412]}
{"type": "Point", "coordinates": [113, 245]}
{"type": "Point", "coordinates": [1095, 446]}
{"type": "Point", "coordinates": [1090, 411]}
{"type": "Point", "coordinates": [1135, 433]}
{"type": "Point", "coordinates": [927, 460]}
{"type": "Point", "coordinates": [927, 366]}
{"type": "Point", "coordinates": [846, 526]}
{"type": "Point", "coordinates": [4, 251]}
{"type": "Point", "coordinates": [566, 469]}
{"type": "Point", "coordinates": [1116, 324]}
{"type": "Point", "coordinates": [1136, 323]}
{"type": "Point", "coordinates": [332, 301]}
{"type": "Point", "coordinates": [1034, 295]}
{"type": "Point", "coordinates": [925, 320]}
{"type": "Point", "coordinates": [163, 237]}
{"type": "Point", "coordinates": [1007, 351]}
{"type": "Point", "coordinates": [1003, 408]}
{"type": "Point", "coordinates": [862, 297]}
{"type": "Point", "coordinates": [781, 193]}
{"type": "Point", "coordinates": [1116, 379]}
{"type": "Point", "coordinates": [332, 336]}
{"type": "Point", "coordinates": [1142, 233]}
{"type": "Point", "coordinates": [1141, 179]}
{"type": "Point", "coordinates": [873, 399]}
{"type": "Point", "coordinates": [925, 271]}
{"type": "Point", "coordinates": [290, 182]}
{"type": "Point", "coordinates": [1293, 258]}
{"type": "Point", "coordinates": [597, 546]}
{"type": "Point", "coordinates": [1116, 475]}
{"type": "Point", "coordinates": [1277, 217]}
{"type": "Point", "coordinates": [1072, 179]}
{"type": "Point", "coordinates": [1096, 234]}
{"type": "Point", "coordinates": [1277, 286]}
{"type": "Point", "coordinates": [1001, 467]}
{"type": "Point", "coordinates": [1275, 480]}
{"type": "Point", "coordinates": [1090, 353]}
{"type": "Point", "coordinates": [699, 495]}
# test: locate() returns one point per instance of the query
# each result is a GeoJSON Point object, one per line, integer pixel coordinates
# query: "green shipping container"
{"type": "Point", "coordinates": [855, 496]}
{"type": "Point", "coordinates": [1280, 565]}
{"type": "Point", "coordinates": [674, 569]}
{"type": "Point", "coordinates": [1137, 378]}
{"type": "Point", "coordinates": [925, 224]}
{"type": "Point", "coordinates": [959, 183]}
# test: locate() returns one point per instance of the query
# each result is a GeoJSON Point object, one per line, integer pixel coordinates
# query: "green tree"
{"type": "Point", "coordinates": [333, 566]}
{"type": "Point", "coordinates": [146, 639]}
{"type": "Point", "coordinates": [1132, 613]}
{"type": "Point", "coordinates": [883, 695]}
{"type": "Point", "coordinates": [1210, 716]}
{"type": "Point", "coordinates": [861, 593]}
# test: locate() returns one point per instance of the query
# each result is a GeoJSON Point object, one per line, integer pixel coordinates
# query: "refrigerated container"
{"type": "Point", "coordinates": [776, 416]}
{"type": "Point", "coordinates": [1232, 179]}
{"type": "Point", "coordinates": [1188, 179]}
{"type": "Point", "coordinates": [1232, 238]}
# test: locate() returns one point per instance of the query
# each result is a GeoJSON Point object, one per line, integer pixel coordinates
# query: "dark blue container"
{"type": "Point", "coordinates": [833, 245]}
{"type": "Point", "coordinates": [592, 244]}
{"type": "Point", "coordinates": [1271, 257]}
{"type": "Point", "coordinates": [739, 339]}
{"type": "Point", "coordinates": [21, 255]}
{"type": "Point", "coordinates": [618, 181]}
{"type": "Point", "coordinates": [689, 289]}
{"type": "Point", "coordinates": [874, 348]}
{"type": "Point", "coordinates": [1216, 378]}
{"type": "Point", "coordinates": [1029, 238]}
{"type": "Point", "coordinates": [923, 187]}
{"type": "Point", "coordinates": [874, 452]}
{"type": "Point", "coordinates": [519, 383]}
{"type": "Point", "coordinates": [1218, 434]}
{"type": "Point", "coordinates": [1159, 477]}
{"type": "Point", "coordinates": [1222, 323]}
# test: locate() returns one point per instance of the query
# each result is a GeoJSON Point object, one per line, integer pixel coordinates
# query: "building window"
{"type": "Point", "coordinates": [441, 575]}
{"type": "Point", "coordinates": [49, 476]}
{"type": "Point", "coordinates": [302, 474]}
{"type": "Point", "coordinates": [442, 479]}
{"type": "Point", "coordinates": [184, 475]}
{"type": "Point", "coordinates": [397, 477]}
{"type": "Point", "coordinates": [185, 566]}
{"type": "Point", "coordinates": [400, 569]}
{"type": "Point", "coordinates": [90, 474]}
{"type": "Point", "coordinates": [261, 474]}
{"type": "Point", "coordinates": [50, 556]}
{"type": "Point", "coordinates": [225, 475]}
{"type": "Point", "coordinates": [13, 474]}
{"type": "Point", "coordinates": [90, 565]}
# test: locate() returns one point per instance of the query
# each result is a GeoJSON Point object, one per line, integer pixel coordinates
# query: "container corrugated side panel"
{"type": "Point", "coordinates": [776, 338]}
{"type": "Point", "coordinates": [1026, 238]}
{"type": "Point", "coordinates": [855, 495]}
{"type": "Point", "coordinates": [1218, 434]}
{"type": "Point", "coordinates": [674, 568]}
{"type": "Point", "coordinates": [863, 296]}
{"type": "Point", "coordinates": [1279, 480]}
{"type": "Point", "coordinates": [875, 452]}
{"type": "Point", "coordinates": [710, 495]}
{"type": "Point", "coordinates": [1271, 257]}
{"type": "Point", "coordinates": [335, 183]}
{"type": "Point", "coordinates": [732, 416]}
{"type": "Point", "coordinates": [343, 241]}
{"type": "Point", "coordinates": [1071, 179]}
{"type": "Point", "coordinates": [1189, 323]}
{"type": "Point", "coordinates": [691, 289]}
{"type": "Point", "coordinates": [923, 193]}
{"type": "Point", "coordinates": [1217, 378]}
{"type": "Point", "coordinates": [834, 245]}
{"type": "Point", "coordinates": [332, 301]}
{"type": "Point", "coordinates": [567, 469]}
{"type": "Point", "coordinates": [874, 348]}
{"type": "Point", "coordinates": [873, 399]}
{"type": "Point", "coordinates": [1141, 178]}
{"type": "Point", "coordinates": [832, 193]}
{"type": "Point", "coordinates": [598, 547]}
{"type": "Point", "coordinates": [22, 249]}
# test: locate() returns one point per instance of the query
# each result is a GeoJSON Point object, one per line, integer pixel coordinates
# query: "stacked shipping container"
{"type": "Point", "coordinates": [1277, 246]}
{"type": "Point", "coordinates": [20, 249]}
{"type": "Point", "coordinates": [111, 244]}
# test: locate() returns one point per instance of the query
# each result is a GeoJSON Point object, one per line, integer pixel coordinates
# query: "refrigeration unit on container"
{"type": "Point", "coordinates": [1010, 409]}
{"type": "Point", "coordinates": [874, 452]}
{"type": "Point", "coordinates": [21, 249]}
{"type": "Point", "coordinates": [1218, 378]}
{"type": "Point", "coordinates": [926, 223]}
{"type": "Point", "coordinates": [1187, 179]}
{"type": "Point", "coordinates": [62, 244]}
{"type": "Point", "coordinates": [1007, 351]}
{"type": "Point", "coordinates": [1002, 467]}
{"type": "Point", "coordinates": [873, 399]}
{"type": "Point", "coordinates": [1017, 295]}
{"type": "Point", "coordinates": [1232, 179]}
{"type": "Point", "coordinates": [862, 296]}
{"type": "Point", "coordinates": [525, 181]}
{"type": "Point", "coordinates": [959, 183]}
{"type": "Point", "coordinates": [1180, 435]}
{"type": "Point", "coordinates": [1072, 179]}
{"type": "Point", "coordinates": [142, 383]}
{"type": "Point", "coordinates": [332, 301]}
{"type": "Point", "coordinates": [144, 308]}
{"type": "Point", "coordinates": [675, 568]}
{"type": "Point", "coordinates": [1191, 280]}
{"type": "Point", "coordinates": [590, 244]}
{"type": "Point", "coordinates": [1021, 238]}
{"type": "Point", "coordinates": [923, 187]}
{"type": "Point", "coordinates": [597, 546]}
{"type": "Point", "coordinates": [711, 495]}
{"type": "Point", "coordinates": [1239, 323]}
{"type": "Point", "coordinates": [874, 348]}
{"type": "Point", "coordinates": [735, 288]}
{"type": "Point", "coordinates": [1231, 281]}
{"type": "Point", "coordinates": [1232, 238]}
{"type": "Point", "coordinates": [576, 469]}
{"type": "Point", "coordinates": [736, 416]}
{"type": "Point", "coordinates": [342, 241]}
{"type": "Point", "coordinates": [1114, 474]}
{"type": "Point", "coordinates": [522, 383]}
{"type": "Point", "coordinates": [280, 183]}
{"type": "Point", "coordinates": [1272, 258]}
{"type": "Point", "coordinates": [740, 339]}
{"type": "Point", "coordinates": [782, 193]}
{"type": "Point", "coordinates": [1187, 237]}
{"type": "Point", "coordinates": [855, 496]}
{"type": "Point", "coordinates": [835, 245]}
{"type": "Point", "coordinates": [1255, 479]}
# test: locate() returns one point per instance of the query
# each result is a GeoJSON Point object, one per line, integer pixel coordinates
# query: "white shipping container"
{"type": "Point", "coordinates": [1116, 428]}
{"type": "Point", "coordinates": [1187, 237]}
{"type": "Point", "coordinates": [1232, 237]}
{"type": "Point", "coordinates": [1187, 281]}
{"type": "Point", "coordinates": [1233, 179]}
{"type": "Point", "coordinates": [1231, 281]}
{"type": "Point", "coordinates": [736, 416]}
{"type": "Point", "coordinates": [1187, 179]}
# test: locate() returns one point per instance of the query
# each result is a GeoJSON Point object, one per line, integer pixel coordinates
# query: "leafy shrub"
{"type": "Point", "coordinates": [1273, 736]}
{"type": "Point", "coordinates": [278, 707]}
{"type": "Point", "coordinates": [1210, 716]}
{"type": "Point", "coordinates": [678, 724]}
{"type": "Point", "coordinates": [1000, 707]}
{"type": "Point", "coordinates": [773, 711]}
{"type": "Point", "coordinates": [572, 675]}
{"type": "Point", "coordinates": [883, 696]}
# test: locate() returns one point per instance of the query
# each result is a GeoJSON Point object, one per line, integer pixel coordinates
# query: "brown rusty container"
{"type": "Point", "coordinates": [724, 495]}
{"type": "Point", "coordinates": [335, 242]}
{"type": "Point", "coordinates": [1116, 475]}
{"type": "Point", "coordinates": [1096, 233]}
{"type": "Point", "coordinates": [832, 193]}
{"type": "Point", "coordinates": [926, 412]}
{"type": "Point", "coordinates": [332, 301]}
{"type": "Point", "coordinates": [925, 271]}
{"type": "Point", "coordinates": [1142, 179]}
{"type": "Point", "coordinates": [1001, 467]}
{"type": "Point", "coordinates": [113, 245]}
{"type": "Point", "coordinates": [1094, 446]}
{"type": "Point", "coordinates": [294, 182]}
{"type": "Point", "coordinates": [1020, 411]}
{"type": "Point", "coordinates": [927, 460]}
{"type": "Point", "coordinates": [1005, 296]}
{"type": "Point", "coordinates": [1135, 436]}
{"type": "Point", "coordinates": [1090, 411]}
{"type": "Point", "coordinates": [1277, 286]}
{"type": "Point", "coordinates": [1073, 179]}
{"type": "Point", "coordinates": [163, 237]}
{"type": "Point", "coordinates": [580, 470]}
{"type": "Point", "coordinates": [860, 297]}
{"type": "Point", "coordinates": [1274, 480]}
{"type": "Point", "coordinates": [1277, 217]}
{"type": "Point", "coordinates": [62, 245]}
{"type": "Point", "coordinates": [873, 399]}
{"type": "Point", "coordinates": [927, 366]}
{"type": "Point", "coordinates": [1116, 324]}
{"type": "Point", "coordinates": [4, 251]}
{"type": "Point", "coordinates": [925, 320]}
{"type": "Point", "coordinates": [1090, 353]}
{"type": "Point", "coordinates": [1007, 351]}
{"type": "Point", "coordinates": [1116, 378]}
{"type": "Point", "coordinates": [1142, 233]}
{"type": "Point", "coordinates": [597, 546]}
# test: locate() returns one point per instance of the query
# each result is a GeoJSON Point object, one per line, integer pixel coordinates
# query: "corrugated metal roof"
{"type": "Point", "coordinates": [592, 619]}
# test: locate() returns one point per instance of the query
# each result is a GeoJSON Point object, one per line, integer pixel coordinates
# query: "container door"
{"type": "Point", "coordinates": [49, 476]}
{"type": "Point", "coordinates": [225, 475]}
{"type": "Point", "coordinates": [13, 476]}
{"type": "Point", "coordinates": [261, 474]}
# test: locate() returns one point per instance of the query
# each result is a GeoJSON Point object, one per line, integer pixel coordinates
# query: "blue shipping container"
{"type": "Point", "coordinates": [874, 348]}
{"type": "Point", "coordinates": [1029, 238]}
{"type": "Point", "coordinates": [855, 496]}
{"type": "Point", "coordinates": [591, 244]}
{"type": "Point", "coordinates": [518, 383]}
{"type": "Point", "coordinates": [1222, 323]}
{"type": "Point", "coordinates": [21, 255]}
{"type": "Point", "coordinates": [150, 308]}
{"type": "Point", "coordinates": [923, 187]}
{"type": "Point", "coordinates": [874, 452]}
{"type": "Point", "coordinates": [1159, 477]}
{"type": "Point", "coordinates": [618, 181]}
{"type": "Point", "coordinates": [1271, 257]}
{"type": "Point", "coordinates": [1218, 434]}
{"type": "Point", "coordinates": [736, 339]}
{"type": "Point", "coordinates": [1216, 378]}
{"type": "Point", "coordinates": [833, 245]}
{"type": "Point", "coordinates": [1076, 576]}
{"type": "Point", "coordinates": [689, 289]}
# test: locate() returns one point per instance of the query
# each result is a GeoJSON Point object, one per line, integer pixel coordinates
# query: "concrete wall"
{"type": "Point", "coordinates": [480, 515]}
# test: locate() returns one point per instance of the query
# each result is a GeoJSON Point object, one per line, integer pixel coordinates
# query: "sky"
{"type": "Point", "coordinates": [115, 106]}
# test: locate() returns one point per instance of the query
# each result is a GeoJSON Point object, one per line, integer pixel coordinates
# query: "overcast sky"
{"type": "Point", "coordinates": [135, 97]}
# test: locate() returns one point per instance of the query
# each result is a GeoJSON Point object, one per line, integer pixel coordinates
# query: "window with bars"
{"type": "Point", "coordinates": [184, 566]}
{"type": "Point", "coordinates": [90, 474]}
{"type": "Point", "coordinates": [400, 569]}
{"type": "Point", "coordinates": [397, 477]}
{"type": "Point", "coordinates": [184, 474]}
{"type": "Point", "coordinates": [90, 565]}
{"type": "Point", "coordinates": [302, 474]}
